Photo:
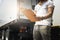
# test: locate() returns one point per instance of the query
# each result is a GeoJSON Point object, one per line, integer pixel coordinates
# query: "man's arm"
{"type": "Point", "coordinates": [49, 13]}
{"type": "Point", "coordinates": [38, 18]}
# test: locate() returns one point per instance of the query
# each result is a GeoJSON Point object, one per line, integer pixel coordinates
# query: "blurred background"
{"type": "Point", "coordinates": [10, 23]}
{"type": "Point", "coordinates": [8, 10]}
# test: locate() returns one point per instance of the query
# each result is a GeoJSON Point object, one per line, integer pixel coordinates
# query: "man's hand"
{"type": "Point", "coordinates": [38, 18]}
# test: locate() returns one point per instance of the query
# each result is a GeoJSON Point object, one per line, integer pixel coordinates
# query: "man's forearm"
{"type": "Point", "coordinates": [49, 13]}
{"type": "Point", "coordinates": [47, 16]}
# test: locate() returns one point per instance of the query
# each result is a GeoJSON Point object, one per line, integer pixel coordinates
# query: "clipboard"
{"type": "Point", "coordinates": [30, 15]}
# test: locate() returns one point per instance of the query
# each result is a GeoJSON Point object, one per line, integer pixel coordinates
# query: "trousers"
{"type": "Point", "coordinates": [41, 32]}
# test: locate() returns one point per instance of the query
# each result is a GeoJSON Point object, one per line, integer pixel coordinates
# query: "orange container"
{"type": "Point", "coordinates": [30, 15]}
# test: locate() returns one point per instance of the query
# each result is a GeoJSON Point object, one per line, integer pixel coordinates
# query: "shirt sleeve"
{"type": "Point", "coordinates": [50, 4]}
{"type": "Point", "coordinates": [36, 8]}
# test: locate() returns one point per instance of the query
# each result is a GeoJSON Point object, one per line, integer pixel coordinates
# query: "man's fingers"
{"type": "Point", "coordinates": [38, 18]}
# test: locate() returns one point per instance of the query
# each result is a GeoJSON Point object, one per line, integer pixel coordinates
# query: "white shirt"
{"type": "Point", "coordinates": [42, 11]}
